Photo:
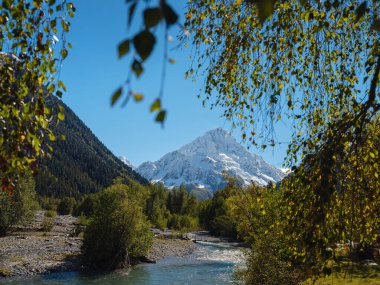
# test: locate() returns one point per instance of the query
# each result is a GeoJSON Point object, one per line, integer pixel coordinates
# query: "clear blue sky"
{"type": "Point", "coordinates": [92, 72]}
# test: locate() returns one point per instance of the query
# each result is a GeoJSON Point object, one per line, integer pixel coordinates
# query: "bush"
{"type": "Point", "coordinates": [19, 206]}
{"type": "Point", "coordinates": [48, 203]}
{"type": "Point", "coordinates": [86, 206]}
{"type": "Point", "coordinates": [117, 231]}
{"type": "Point", "coordinates": [223, 226]}
{"type": "Point", "coordinates": [47, 224]}
{"type": "Point", "coordinates": [66, 206]}
{"type": "Point", "coordinates": [50, 214]}
{"type": "Point", "coordinates": [5, 213]}
{"type": "Point", "coordinates": [267, 266]}
{"type": "Point", "coordinates": [182, 222]}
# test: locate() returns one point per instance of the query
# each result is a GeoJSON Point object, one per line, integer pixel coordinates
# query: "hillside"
{"type": "Point", "coordinates": [81, 163]}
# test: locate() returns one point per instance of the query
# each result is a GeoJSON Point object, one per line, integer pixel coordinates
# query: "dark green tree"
{"type": "Point", "coordinates": [118, 229]}
{"type": "Point", "coordinates": [20, 206]}
{"type": "Point", "coordinates": [66, 206]}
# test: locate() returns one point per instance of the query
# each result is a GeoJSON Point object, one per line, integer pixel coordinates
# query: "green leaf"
{"type": "Point", "coordinates": [65, 25]}
{"type": "Point", "coordinates": [64, 53]}
{"type": "Point", "coordinates": [171, 17]}
{"type": "Point", "coordinates": [265, 9]}
{"type": "Point", "coordinates": [61, 116]}
{"type": "Point", "coordinates": [144, 43]}
{"type": "Point", "coordinates": [123, 48]}
{"type": "Point", "coordinates": [137, 68]}
{"type": "Point", "coordinates": [116, 96]}
{"type": "Point", "coordinates": [156, 106]}
{"type": "Point", "coordinates": [152, 16]}
{"type": "Point", "coordinates": [161, 116]}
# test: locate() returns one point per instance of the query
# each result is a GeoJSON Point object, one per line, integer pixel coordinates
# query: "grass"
{"type": "Point", "coordinates": [5, 272]}
{"type": "Point", "coordinates": [18, 259]}
{"type": "Point", "coordinates": [352, 274]}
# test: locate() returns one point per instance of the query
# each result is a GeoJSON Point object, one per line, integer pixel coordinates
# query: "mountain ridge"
{"type": "Point", "coordinates": [200, 164]}
{"type": "Point", "coordinates": [81, 163]}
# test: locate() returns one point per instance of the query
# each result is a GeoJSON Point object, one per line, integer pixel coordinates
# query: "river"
{"type": "Point", "coordinates": [210, 263]}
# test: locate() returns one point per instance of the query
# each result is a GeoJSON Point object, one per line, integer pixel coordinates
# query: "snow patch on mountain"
{"type": "Point", "coordinates": [127, 162]}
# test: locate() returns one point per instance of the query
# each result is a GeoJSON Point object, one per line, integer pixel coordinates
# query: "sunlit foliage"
{"type": "Point", "coordinates": [310, 62]}
{"type": "Point", "coordinates": [32, 48]}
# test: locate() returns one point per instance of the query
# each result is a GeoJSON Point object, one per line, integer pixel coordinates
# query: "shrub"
{"type": "Point", "coordinates": [267, 266]}
{"type": "Point", "coordinates": [182, 222]}
{"type": "Point", "coordinates": [48, 203]}
{"type": "Point", "coordinates": [66, 206]}
{"type": "Point", "coordinates": [86, 206]}
{"type": "Point", "coordinates": [19, 206]}
{"type": "Point", "coordinates": [50, 214]}
{"type": "Point", "coordinates": [48, 222]}
{"type": "Point", "coordinates": [117, 231]}
{"type": "Point", "coordinates": [5, 213]}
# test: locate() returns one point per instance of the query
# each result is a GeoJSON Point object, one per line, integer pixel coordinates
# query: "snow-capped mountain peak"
{"type": "Point", "coordinates": [201, 163]}
{"type": "Point", "coordinates": [127, 162]}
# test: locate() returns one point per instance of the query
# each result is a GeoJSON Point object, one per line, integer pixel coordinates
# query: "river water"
{"type": "Point", "coordinates": [209, 264]}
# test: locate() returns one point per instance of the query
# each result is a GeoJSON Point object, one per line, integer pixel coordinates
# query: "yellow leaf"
{"type": "Point", "coordinates": [138, 97]}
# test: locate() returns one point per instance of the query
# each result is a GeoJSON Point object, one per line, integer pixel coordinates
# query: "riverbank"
{"type": "Point", "coordinates": [204, 236]}
{"type": "Point", "coordinates": [30, 251]}
{"type": "Point", "coordinates": [170, 247]}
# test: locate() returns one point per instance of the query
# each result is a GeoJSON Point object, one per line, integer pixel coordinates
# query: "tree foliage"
{"type": "Point", "coordinates": [317, 64]}
{"type": "Point", "coordinates": [143, 42]}
{"type": "Point", "coordinates": [118, 230]}
{"type": "Point", "coordinates": [215, 213]}
{"type": "Point", "coordinates": [32, 48]}
{"type": "Point", "coordinates": [20, 207]}
{"type": "Point", "coordinates": [324, 213]}
{"type": "Point", "coordinates": [66, 206]}
{"type": "Point", "coordinates": [333, 197]}
{"type": "Point", "coordinates": [80, 164]}
{"type": "Point", "coordinates": [308, 61]}
{"type": "Point", "coordinates": [175, 208]}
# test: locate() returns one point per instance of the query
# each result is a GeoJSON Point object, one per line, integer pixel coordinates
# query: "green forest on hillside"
{"type": "Point", "coordinates": [80, 163]}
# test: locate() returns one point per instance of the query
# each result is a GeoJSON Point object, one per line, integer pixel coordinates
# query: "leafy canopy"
{"type": "Point", "coordinates": [309, 62]}
{"type": "Point", "coordinates": [32, 48]}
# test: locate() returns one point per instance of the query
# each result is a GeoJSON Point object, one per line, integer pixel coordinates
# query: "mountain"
{"type": "Point", "coordinates": [127, 162]}
{"type": "Point", "coordinates": [199, 164]}
{"type": "Point", "coordinates": [81, 163]}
